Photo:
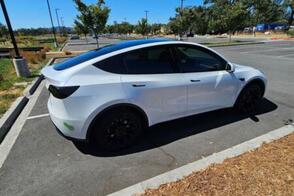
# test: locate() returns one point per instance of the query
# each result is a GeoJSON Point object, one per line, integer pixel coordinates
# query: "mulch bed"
{"type": "Point", "coordinates": [268, 170]}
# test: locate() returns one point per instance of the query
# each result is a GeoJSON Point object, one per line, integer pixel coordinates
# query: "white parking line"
{"type": "Point", "coordinates": [16, 128]}
{"type": "Point", "coordinates": [268, 50]}
{"type": "Point", "coordinates": [37, 116]}
{"type": "Point", "coordinates": [286, 55]}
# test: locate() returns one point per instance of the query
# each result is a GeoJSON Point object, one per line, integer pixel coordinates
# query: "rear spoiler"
{"type": "Point", "coordinates": [56, 78]}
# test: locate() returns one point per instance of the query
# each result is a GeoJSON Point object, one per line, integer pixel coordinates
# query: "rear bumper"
{"type": "Point", "coordinates": [69, 127]}
{"type": "Point", "coordinates": [68, 137]}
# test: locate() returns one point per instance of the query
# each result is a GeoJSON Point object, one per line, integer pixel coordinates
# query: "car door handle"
{"type": "Point", "coordinates": [195, 80]}
{"type": "Point", "coordinates": [139, 85]}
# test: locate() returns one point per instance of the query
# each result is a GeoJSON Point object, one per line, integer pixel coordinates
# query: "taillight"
{"type": "Point", "coordinates": [62, 92]}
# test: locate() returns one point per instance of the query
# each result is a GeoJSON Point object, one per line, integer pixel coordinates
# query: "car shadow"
{"type": "Point", "coordinates": [167, 132]}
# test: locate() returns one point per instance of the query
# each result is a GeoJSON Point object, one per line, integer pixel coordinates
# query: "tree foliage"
{"type": "Point", "coordinates": [80, 28]}
{"type": "Point", "coordinates": [120, 28]}
{"type": "Point", "coordinates": [224, 16]}
{"type": "Point", "coordinates": [3, 31]}
{"type": "Point", "coordinates": [93, 16]}
{"type": "Point", "coordinates": [288, 6]}
{"type": "Point", "coordinates": [142, 28]}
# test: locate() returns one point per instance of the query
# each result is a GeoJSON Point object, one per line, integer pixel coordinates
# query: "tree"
{"type": "Point", "coordinates": [264, 11]}
{"type": "Point", "coordinates": [227, 16]}
{"type": "Point", "coordinates": [155, 28]}
{"type": "Point", "coordinates": [142, 27]}
{"type": "Point", "coordinates": [3, 33]}
{"type": "Point", "coordinates": [289, 9]}
{"type": "Point", "coordinates": [174, 25]}
{"type": "Point", "coordinates": [93, 16]}
{"type": "Point", "coordinates": [3, 30]}
{"type": "Point", "coordinates": [81, 29]}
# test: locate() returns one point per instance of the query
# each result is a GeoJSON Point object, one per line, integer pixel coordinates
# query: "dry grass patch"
{"type": "Point", "coordinates": [8, 91]}
{"type": "Point", "coordinates": [269, 170]}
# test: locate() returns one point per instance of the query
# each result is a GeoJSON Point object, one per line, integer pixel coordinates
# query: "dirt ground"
{"type": "Point", "coordinates": [268, 170]}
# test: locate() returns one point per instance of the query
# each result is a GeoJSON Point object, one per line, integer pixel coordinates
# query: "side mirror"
{"type": "Point", "coordinates": [230, 67]}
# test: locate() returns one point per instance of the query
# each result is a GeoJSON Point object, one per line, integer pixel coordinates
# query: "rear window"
{"type": "Point", "coordinates": [82, 58]}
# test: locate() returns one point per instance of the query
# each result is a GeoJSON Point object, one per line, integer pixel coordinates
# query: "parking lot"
{"type": "Point", "coordinates": [41, 162]}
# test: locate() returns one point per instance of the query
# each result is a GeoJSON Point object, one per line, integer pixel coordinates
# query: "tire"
{"type": "Point", "coordinates": [248, 98]}
{"type": "Point", "coordinates": [117, 129]}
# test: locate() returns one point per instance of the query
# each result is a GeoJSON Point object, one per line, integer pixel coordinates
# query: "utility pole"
{"type": "Point", "coordinates": [57, 18]}
{"type": "Point", "coordinates": [20, 64]}
{"type": "Point", "coordinates": [181, 19]}
{"type": "Point", "coordinates": [53, 29]}
{"type": "Point", "coordinates": [146, 15]}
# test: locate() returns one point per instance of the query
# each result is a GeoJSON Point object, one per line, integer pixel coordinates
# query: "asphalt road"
{"type": "Point", "coordinates": [43, 163]}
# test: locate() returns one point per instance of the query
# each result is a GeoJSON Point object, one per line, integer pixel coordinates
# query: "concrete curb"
{"type": "Point", "coordinates": [11, 115]}
{"type": "Point", "coordinates": [238, 44]}
{"type": "Point", "coordinates": [8, 119]}
{"type": "Point", "coordinates": [62, 47]}
{"type": "Point", "coordinates": [219, 157]}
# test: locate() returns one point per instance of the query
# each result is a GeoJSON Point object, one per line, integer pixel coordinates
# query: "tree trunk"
{"type": "Point", "coordinates": [96, 37]}
{"type": "Point", "coordinates": [86, 38]}
{"type": "Point", "coordinates": [290, 21]}
{"type": "Point", "coordinates": [230, 36]}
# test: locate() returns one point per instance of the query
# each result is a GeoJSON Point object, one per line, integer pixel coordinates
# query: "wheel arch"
{"type": "Point", "coordinates": [258, 81]}
{"type": "Point", "coordinates": [118, 106]}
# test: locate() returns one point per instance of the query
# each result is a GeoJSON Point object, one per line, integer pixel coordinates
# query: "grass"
{"type": "Point", "coordinates": [8, 91]}
{"type": "Point", "coordinates": [268, 170]}
{"type": "Point", "coordinates": [45, 41]}
{"type": "Point", "coordinates": [232, 43]}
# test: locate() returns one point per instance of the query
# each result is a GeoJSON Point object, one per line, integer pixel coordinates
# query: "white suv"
{"type": "Point", "coordinates": [109, 95]}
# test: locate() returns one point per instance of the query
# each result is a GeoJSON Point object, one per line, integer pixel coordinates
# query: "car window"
{"type": "Point", "coordinates": [197, 59]}
{"type": "Point", "coordinates": [71, 62]}
{"type": "Point", "coordinates": [113, 64]}
{"type": "Point", "coordinates": [153, 60]}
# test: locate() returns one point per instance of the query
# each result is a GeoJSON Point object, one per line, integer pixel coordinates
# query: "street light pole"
{"type": "Point", "coordinates": [53, 29]}
{"type": "Point", "coordinates": [57, 18]}
{"type": "Point", "coordinates": [20, 64]}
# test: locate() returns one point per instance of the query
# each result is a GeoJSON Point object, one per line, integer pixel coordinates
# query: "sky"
{"type": "Point", "coordinates": [34, 13]}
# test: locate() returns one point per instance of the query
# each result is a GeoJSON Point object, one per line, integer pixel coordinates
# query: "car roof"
{"type": "Point", "coordinates": [105, 50]}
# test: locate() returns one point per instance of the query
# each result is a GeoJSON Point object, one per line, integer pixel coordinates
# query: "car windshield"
{"type": "Point", "coordinates": [101, 51]}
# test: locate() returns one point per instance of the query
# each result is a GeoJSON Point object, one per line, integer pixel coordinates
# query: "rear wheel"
{"type": "Point", "coordinates": [248, 98]}
{"type": "Point", "coordinates": [117, 129]}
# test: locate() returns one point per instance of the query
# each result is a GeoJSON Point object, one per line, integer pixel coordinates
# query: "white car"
{"type": "Point", "coordinates": [109, 95]}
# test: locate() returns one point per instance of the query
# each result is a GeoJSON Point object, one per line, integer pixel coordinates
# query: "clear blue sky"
{"type": "Point", "coordinates": [34, 13]}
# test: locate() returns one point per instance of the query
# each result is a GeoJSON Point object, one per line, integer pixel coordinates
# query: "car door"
{"type": "Point", "coordinates": [210, 86]}
{"type": "Point", "coordinates": [153, 83]}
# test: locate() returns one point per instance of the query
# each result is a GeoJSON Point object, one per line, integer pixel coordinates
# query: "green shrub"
{"type": "Point", "coordinates": [290, 32]}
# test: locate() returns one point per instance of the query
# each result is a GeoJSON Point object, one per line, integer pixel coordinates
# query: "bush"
{"type": "Point", "coordinates": [290, 32]}
{"type": "Point", "coordinates": [67, 52]}
{"type": "Point", "coordinates": [61, 40]}
{"type": "Point", "coordinates": [34, 57]}
{"type": "Point", "coordinates": [47, 47]}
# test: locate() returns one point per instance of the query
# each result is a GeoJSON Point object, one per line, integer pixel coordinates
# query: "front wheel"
{"type": "Point", "coordinates": [248, 98]}
{"type": "Point", "coordinates": [117, 129]}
